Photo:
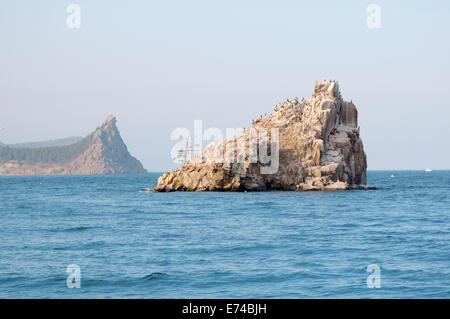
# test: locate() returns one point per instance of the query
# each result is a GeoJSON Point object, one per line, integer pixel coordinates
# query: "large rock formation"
{"type": "Point", "coordinates": [318, 148]}
{"type": "Point", "coordinates": [101, 152]}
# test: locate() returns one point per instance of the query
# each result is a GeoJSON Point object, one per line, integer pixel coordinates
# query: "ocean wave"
{"type": "Point", "coordinates": [71, 229]}
{"type": "Point", "coordinates": [154, 276]}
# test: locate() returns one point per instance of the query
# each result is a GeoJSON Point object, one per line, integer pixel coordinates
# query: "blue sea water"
{"type": "Point", "coordinates": [131, 244]}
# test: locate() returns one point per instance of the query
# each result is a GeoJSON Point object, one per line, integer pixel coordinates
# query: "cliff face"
{"type": "Point", "coordinates": [318, 148]}
{"type": "Point", "coordinates": [102, 152]}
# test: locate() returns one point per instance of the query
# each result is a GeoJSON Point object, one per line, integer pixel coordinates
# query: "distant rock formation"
{"type": "Point", "coordinates": [101, 152]}
{"type": "Point", "coordinates": [319, 149]}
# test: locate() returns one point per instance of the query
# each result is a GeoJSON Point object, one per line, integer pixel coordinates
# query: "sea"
{"type": "Point", "coordinates": [104, 237]}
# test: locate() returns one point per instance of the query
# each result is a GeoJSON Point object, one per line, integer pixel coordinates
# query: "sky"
{"type": "Point", "coordinates": [160, 65]}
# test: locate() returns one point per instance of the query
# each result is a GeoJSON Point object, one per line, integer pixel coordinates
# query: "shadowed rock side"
{"type": "Point", "coordinates": [319, 149]}
{"type": "Point", "coordinates": [101, 152]}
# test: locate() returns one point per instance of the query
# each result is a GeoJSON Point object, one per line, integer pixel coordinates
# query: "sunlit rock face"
{"type": "Point", "coordinates": [313, 144]}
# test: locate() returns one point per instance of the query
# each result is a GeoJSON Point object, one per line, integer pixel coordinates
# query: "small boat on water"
{"type": "Point", "coordinates": [392, 175]}
{"type": "Point", "coordinates": [428, 169]}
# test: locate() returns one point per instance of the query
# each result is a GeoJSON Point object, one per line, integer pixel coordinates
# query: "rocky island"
{"type": "Point", "coordinates": [101, 152]}
{"type": "Point", "coordinates": [317, 147]}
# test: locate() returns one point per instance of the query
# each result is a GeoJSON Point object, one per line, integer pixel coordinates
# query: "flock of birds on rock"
{"type": "Point", "coordinates": [295, 100]}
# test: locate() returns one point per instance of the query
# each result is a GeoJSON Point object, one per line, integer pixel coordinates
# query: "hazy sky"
{"type": "Point", "coordinates": [159, 65]}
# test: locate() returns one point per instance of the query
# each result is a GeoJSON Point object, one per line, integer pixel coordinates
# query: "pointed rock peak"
{"type": "Point", "coordinates": [110, 119]}
{"type": "Point", "coordinates": [101, 152]}
{"type": "Point", "coordinates": [108, 127]}
{"type": "Point", "coordinates": [109, 124]}
{"type": "Point", "coordinates": [329, 88]}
